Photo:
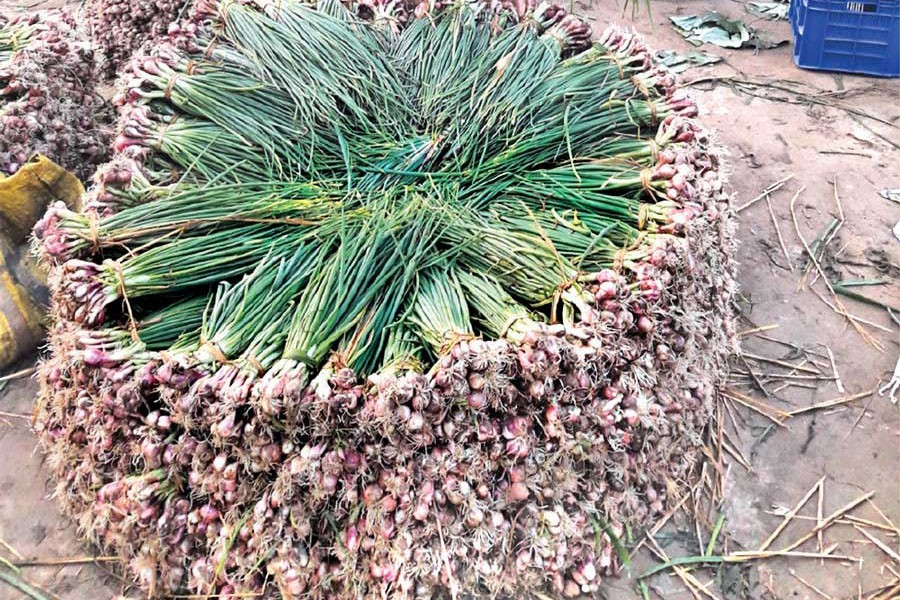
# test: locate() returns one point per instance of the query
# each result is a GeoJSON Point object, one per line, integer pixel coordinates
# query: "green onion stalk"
{"type": "Point", "coordinates": [496, 106]}
{"type": "Point", "coordinates": [563, 189]}
{"type": "Point", "coordinates": [436, 57]}
{"type": "Point", "coordinates": [498, 316]}
{"type": "Point", "coordinates": [440, 313]}
{"type": "Point", "coordinates": [588, 250]}
{"type": "Point", "coordinates": [497, 313]}
{"type": "Point", "coordinates": [14, 36]}
{"type": "Point", "coordinates": [585, 101]}
{"type": "Point", "coordinates": [569, 134]}
{"type": "Point", "coordinates": [174, 327]}
{"type": "Point", "coordinates": [268, 345]}
{"type": "Point", "coordinates": [123, 184]}
{"type": "Point", "coordinates": [372, 265]}
{"type": "Point", "coordinates": [257, 112]}
{"type": "Point", "coordinates": [244, 331]}
{"type": "Point", "coordinates": [180, 264]}
{"type": "Point", "coordinates": [606, 176]}
{"type": "Point", "coordinates": [403, 353]}
{"type": "Point", "coordinates": [186, 209]}
{"type": "Point", "coordinates": [239, 312]}
{"type": "Point", "coordinates": [337, 75]}
{"type": "Point", "coordinates": [362, 349]}
{"type": "Point", "coordinates": [577, 107]}
{"type": "Point", "coordinates": [195, 146]}
{"type": "Point", "coordinates": [597, 227]}
{"type": "Point", "coordinates": [526, 262]}
{"type": "Point", "coordinates": [396, 381]}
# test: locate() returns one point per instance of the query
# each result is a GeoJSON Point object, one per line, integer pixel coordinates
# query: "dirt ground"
{"type": "Point", "coordinates": [833, 134]}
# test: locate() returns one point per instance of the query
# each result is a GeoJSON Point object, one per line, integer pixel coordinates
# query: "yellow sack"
{"type": "Point", "coordinates": [20, 314]}
{"type": "Point", "coordinates": [24, 196]}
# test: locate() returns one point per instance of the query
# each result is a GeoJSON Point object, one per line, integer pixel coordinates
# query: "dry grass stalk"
{"type": "Point", "coordinates": [820, 501]}
{"type": "Point", "coordinates": [789, 517]}
{"type": "Point", "coordinates": [775, 415]}
{"type": "Point", "coordinates": [830, 519]}
{"type": "Point", "coordinates": [881, 545]}
{"type": "Point", "coordinates": [830, 403]}
{"type": "Point", "coordinates": [774, 187]}
{"type": "Point", "coordinates": [736, 454]}
{"type": "Point", "coordinates": [809, 585]}
{"type": "Point", "coordinates": [15, 415]}
{"type": "Point", "coordinates": [837, 376]}
{"type": "Point", "coordinates": [854, 321]}
{"type": "Point", "coordinates": [782, 363]}
{"type": "Point", "coordinates": [10, 549]}
{"type": "Point", "coordinates": [75, 560]}
{"type": "Point", "coordinates": [885, 517]}
{"type": "Point", "coordinates": [781, 243]}
{"type": "Point", "coordinates": [19, 374]}
{"type": "Point", "coordinates": [848, 520]}
{"type": "Point", "coordinates": [739, 557]}
{"type": "Point", "coordinates": [756, 330]}
{"type": "Point", "coordinates": [889, 592]}
{"type": "Point", "coordinates": [859, 418]}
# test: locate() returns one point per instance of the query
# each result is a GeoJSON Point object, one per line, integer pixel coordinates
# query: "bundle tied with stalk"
{"type": "Point", "coordinates": [386, 301]}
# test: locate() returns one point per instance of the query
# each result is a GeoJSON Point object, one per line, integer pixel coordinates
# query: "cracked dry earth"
{"type": "Point", "coordinates": [840, 130]}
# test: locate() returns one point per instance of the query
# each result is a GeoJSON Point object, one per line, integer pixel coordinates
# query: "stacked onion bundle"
{"type": "Point", "coordinates": [47, 99]}
{"type": "Point", "coordinates": [357, 312]}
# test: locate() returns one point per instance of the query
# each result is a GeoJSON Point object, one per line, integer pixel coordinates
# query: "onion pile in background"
{"type": "Point", "coordinates": [119, 27]}
{"type": "Point", "coordinates": [48, 100]}
{"type": "Point", "coordinates": [415, 307]}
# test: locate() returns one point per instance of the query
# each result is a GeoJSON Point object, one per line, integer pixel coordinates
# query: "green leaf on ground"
{"type": "Point", "coordinates": [714, 28]}
{"type": "Point", "coordinates": [678, 62]}
{"type": "Point", "coordinates": [773, 11]}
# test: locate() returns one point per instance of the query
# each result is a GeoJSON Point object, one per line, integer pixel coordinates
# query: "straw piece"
{"type": "Point", "coordinates": [75, 560]}
{"type": "Point", "coordinates": [885, 517]}
{"type": "Point", "coordinates": [737, 557]}
{"type": "Point", "coordinates": [788, 517]}
{"type": "Point", "coordinates": [809, 585]}
{"type": "Point", "coordinates": [772, 188]}
{"type": "Point", "coordinates": [19, 374]}
{"type": "Point", "coordinates": [837, 376]}
{"type": "Point", "coordinates": [780, 363]}
{"type": "Point", "coordinates": [884, 547]}
{"type": "Point", "coordinates": [853, 320]}
{"type": "Point", "coordinates": [819, 512]}
{"type": "Point", "coordinates": [770, 412]}
{"type": "Point", "coordinates": [781, 243]}
{"type": "Point", "coordinates": [10, 549]}
{"type": "Point", "coordinates": [747, 332]}
{"type": "Point", "coordinates": [830, 519]}
{"type": "Point", "coordinates": [830, 403]}
{"type": "Point", "coordinates": [848, 520]}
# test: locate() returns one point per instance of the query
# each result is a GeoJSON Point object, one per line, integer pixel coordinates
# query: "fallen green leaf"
{"type": "Point", "coordinates": [715, 28]}
{"type": "Point", "coordinates": [773, 11]}
{"type": "Point", "coordinates": [892, 194]}
{"type": "Point", "coordinates": [678, 63]}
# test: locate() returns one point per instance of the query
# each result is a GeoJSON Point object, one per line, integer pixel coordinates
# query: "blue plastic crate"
{"type": "Point", "coordinates": [853, 37]}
